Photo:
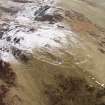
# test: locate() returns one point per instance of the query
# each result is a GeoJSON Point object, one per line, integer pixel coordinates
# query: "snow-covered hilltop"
{"type": "Point", "coordinates": [37, 24]}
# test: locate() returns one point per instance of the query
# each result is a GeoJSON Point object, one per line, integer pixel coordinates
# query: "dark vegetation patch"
{"type": "Point", "coordinates": [3, 92]}
{"type": "Point", "coordinates": [101, 50]}
{"type": "Point", "coordinates": [20, 54]}
{"type": "Point", "coordinates": [4, 28]}
{"type": "Point", "coordinates": [73, 91]}
{"type": "Point", "coordinates": [1, 34]}
{"type": "Point", "coordinates": [51, 18]}
{"type": "Point", "coordinates": [7, 74]}
{"type": "Point", "coordinates": [22, 1]}
{"type": "Point", "coordinates": [8, 38]}
{"type": "Point", "coordinates": [41, 11]}
{"type": "Point", "coordinates": [41, 15]}
{"type": "Point", "coordinates": [16, 40]}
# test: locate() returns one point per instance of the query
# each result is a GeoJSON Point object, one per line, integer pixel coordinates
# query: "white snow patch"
{"type": "Point", "coordinates": [41, 37]}
{"type": "Point", "coordinates": [23, 20]}
{"type": "Point", "coordinates": [44, 33]}
{"type": "Point", "coordinates": [8, 57]}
